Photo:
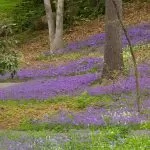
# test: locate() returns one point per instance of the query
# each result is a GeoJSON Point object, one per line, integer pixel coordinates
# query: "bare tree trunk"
{"type": "Point", "coordinates": [58, 41]}
{"type": "Point", "coordinates": [50, 19]}
{"type": "Point", "coordinates": [113, 57]}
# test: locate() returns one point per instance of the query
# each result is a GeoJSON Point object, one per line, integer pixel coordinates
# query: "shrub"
{"type": "Point", "coordinates": [28, 11]}
{"type": "Point", "coordinates": [8, 57]}
{"type": "Point", "coordinates": [82, 9]}
{"type": "Point", "coordinates": [25, 12]}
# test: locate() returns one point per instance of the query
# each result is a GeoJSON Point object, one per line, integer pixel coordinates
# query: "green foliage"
{"type": "Point", "coordinates": [85, 100]}
{"type": "Point", "coordinates": [76, 102]}
{"type": "Point", "coordinates": [82, 9]}
{"type": "Point", "coordinates": [8, 57]}
{"type": "Point", "coordinates": [7, 5]}
{"type": "Point", "coordinates": [25, 12]}
{"type": "Point", "coordinates": [92, 138]}
{"type": "Point", "coordinates": [28, 11]}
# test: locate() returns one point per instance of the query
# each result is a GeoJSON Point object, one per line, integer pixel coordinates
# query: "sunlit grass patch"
{"type": "Point", "coordinates": [13, 112]}
{"type": "Point", "coordinates": [142, 55]}
{"type": "Point", "coordinates": [141, 51]}
{"type": "Point", "coordinates": [110, 140]}
{"type": "Point", "coordinates": [6, 6]}
{"type": "Point", "coordinates": [65, 58]}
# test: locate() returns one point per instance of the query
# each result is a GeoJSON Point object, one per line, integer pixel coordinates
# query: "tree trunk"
{"type": "Point", "coordinates": [58, 41]}
{"type": "Point", "coordinates": [50, 19]}
{"type": "Point", "coordinates": [113, 57]}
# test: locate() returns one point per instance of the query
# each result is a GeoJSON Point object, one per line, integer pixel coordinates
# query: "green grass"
{"type": "Point", "coordinates": [75, 102]}
{"type": "Point", "coordinates": [94, 138]}
{"type": "Point", "coordinates": [14, 112]}
{"type": "Point", "coordinates": [117, 137]}
{"type": "Point", "coordinates": [142, 52]}
{"type": "Point", "coordinates": [6, 7]}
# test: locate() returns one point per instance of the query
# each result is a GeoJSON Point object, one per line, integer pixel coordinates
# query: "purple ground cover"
{"type": "Point", "coordinates": [45, 88]}
{"type": "Point", "coordinates": [99, 116]}
{"type": "Point", "coordinates": [48, 88]}
{"type": "Point", "coordinates": [67, 81]}
{"type": "Point", "coordinates": [73, 68]}
{"type": "Point", "coordinates": [120, 112]}
{"type": "Point", "coordinates": [125, 85]}
{"type": "Point", "coordinates": [138, 34]}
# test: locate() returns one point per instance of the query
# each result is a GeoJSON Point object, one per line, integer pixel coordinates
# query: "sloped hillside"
{"type": "Point", "coordinates": [134, 13]}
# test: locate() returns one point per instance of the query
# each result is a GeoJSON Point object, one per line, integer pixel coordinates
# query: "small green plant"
{"type": "Point", "coordinates": [8, 57]}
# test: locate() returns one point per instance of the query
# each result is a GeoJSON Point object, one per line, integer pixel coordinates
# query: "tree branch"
{"type": "Point", "coordinates": [133, 58]}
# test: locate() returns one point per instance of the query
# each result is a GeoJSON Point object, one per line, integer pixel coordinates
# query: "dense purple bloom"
{"type": "Point", "coordinates": [48, 88]}
{"type": "Point", "coordinates": [45, 88]}
{"type": "Point", "coordinates": [98, 116]}
{"type": "Point", "coordinates": [125, 85]}
{"type": "Point", "coordinates": [138, 34]}
{"type": "Point", "coordinates": [65, 79]}
{"type": "Point", "coordinates": [74, 67]}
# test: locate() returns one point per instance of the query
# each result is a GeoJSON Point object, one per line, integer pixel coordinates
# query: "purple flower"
{"type": "Point", "coordinates": [48, 88]}
{"type": "Point", "coordinates": [138, 34]}
{"type": "Point", "coordinates": [146, 104]}
{"type": "Point", "coordinates": [45, 88]}
{"type": "Point", "coordinates": [98, 116]}
{"type": "Point", "coordinates": [125, 85]}
{"type": "Point", "coordinates": [74, 67]}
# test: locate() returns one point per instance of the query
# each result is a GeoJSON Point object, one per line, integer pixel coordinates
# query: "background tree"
{"type": "Point", "coordinates": [58, 40]}
{"type": "Point", "coordinates": [50, 20]}
{"type": "Point", "coordinates": [113, 57]}
{"type": "Point", "coordinates": [55, 33]}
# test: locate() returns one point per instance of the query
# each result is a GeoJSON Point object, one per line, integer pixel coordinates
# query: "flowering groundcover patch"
{"type": "Point", "coordinates": [138, 34]}
{"type": "Point", "coordinates": [75, 67]}
{"type": "Point", "coordinates": [99, 116]}
{"type": "Point", "coordinates": [45, 88]}
{"type": "Point", "coordinates": [66, 79]}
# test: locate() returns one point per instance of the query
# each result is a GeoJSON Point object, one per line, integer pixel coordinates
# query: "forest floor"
{"type": "Point", "coordinates": [57, 103]}
{"type": "Point", "coordinates": [31, 49]}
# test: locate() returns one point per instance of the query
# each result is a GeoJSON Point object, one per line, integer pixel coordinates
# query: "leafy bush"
{"type": "Point", "coordinates": [25, 12]}
{"type": "Point", "coordinates": [8, 57]}
{"type": "Point", "coordinates": [81, 9]}
{"type": "Point", "coordinates": [28, 11]}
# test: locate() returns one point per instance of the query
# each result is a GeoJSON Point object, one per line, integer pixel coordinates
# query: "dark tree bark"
{"type": "Point", "coordinates": [113, 57]}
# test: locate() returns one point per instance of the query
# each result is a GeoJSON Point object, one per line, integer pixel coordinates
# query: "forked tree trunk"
{"type": "Point", "coordinates": [58, 40]}
{"type": "Point", "coordinates": [50, 19]}
{"type": "Point", "coordinates": [113, 57]}
{"type": "Point", "coordinates": [55, 33]}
